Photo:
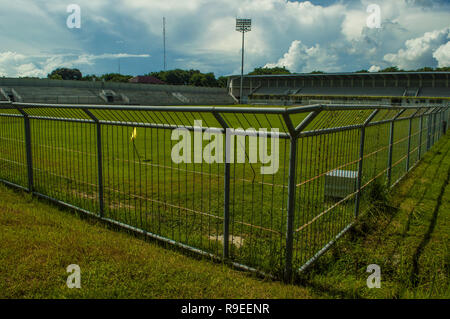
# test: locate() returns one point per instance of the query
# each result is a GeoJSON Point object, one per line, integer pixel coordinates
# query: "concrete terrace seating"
{"type": "Point", "coordinates": [58, 95]}
{"type": "Point", "coordinates": [209, 99]}
{"type": "Point", "coordinates": [380, 91]}
{"type": "Point", "coordinates": [151, 98]}
{"type": "Point", "coordinates": [274, 90]}
{"type": "Point", "coordinates": [336, 91]}
{"type": "Point", "coordinates": [435, 92]}
{"type": "Point", "coordinates": [413, 91]}
{"type": "Point", "coordinates": [83, 92]}
{"type": "Point", "coordinates": [177, 97]}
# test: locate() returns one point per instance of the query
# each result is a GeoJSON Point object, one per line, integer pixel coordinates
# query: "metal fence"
{"type": "Point", "coordinates": [115, 162]}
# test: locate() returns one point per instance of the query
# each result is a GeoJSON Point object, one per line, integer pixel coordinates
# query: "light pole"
{"type": "Point", "coordinates": [164, 42]}
{"type": "Point", "coordinates": [243, 25]}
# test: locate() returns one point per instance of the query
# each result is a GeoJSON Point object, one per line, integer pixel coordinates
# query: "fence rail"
{"type": "Point", "coordinates": [116, 163]}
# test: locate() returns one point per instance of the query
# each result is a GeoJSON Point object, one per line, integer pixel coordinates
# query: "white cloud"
{"type": "Point", "coordinates": [353, 24]}
{"type": "Point", "coordinates": [374, 68]}
{"type": "Point", "coordinates": [300, 58]}
{"type": "Point", "coordinates": [442, 55]}
{"type": "Point", "coordinates": [419, 51]}
{"type": "Point", "coordinates": [200, 34]}
{"type": "Point", "coordinates": [14, 64]}
{"type": "Point", "coordinates": [89, 59]}
{"type": "Point", "coordinates": [202, 29]}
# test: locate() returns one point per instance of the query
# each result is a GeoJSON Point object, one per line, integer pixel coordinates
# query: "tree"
{"type": "Point", "coordinates": [90, 77]}
{"type": "Point", "coordinates": [186, 77]}
{"type": "Point", "coordinates": [173, 77]}
{"type": "Point", "coordinates": [177, 77]}
{"type": "Point", "coordinates": [209, 79]}
{"type": "Point", "coordinates": [222, 81]}
{"type": "Point", "coordinates": [55, 77]}
{"type": "Point", "coordinates": [116, 77]}
{"type": "Point", "coordinates": [65, 74]}
{"type": "Point", "coordinates": [269, 71]}
{"type": "Point", "coordinates": [425, 69]}
{"type": "Point", "coordinates": [391, 69]}
{"type": "Point", "coordinates": [197, 79]}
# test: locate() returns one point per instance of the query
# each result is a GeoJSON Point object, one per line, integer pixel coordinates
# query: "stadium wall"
{"type": "Point", "coordinates": [87, 92]}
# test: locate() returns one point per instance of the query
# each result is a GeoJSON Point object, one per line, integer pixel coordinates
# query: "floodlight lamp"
{"type": "Point", "coordinates": [243, 25]}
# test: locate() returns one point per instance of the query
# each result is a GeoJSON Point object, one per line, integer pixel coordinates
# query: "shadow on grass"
{"type": "Point", "coordinates": [414, 278]}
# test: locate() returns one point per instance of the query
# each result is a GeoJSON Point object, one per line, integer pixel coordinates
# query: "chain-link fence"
{"type": "Point", "coordinates": [265, 189]}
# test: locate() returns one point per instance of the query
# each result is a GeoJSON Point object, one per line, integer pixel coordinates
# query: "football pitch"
{"type": "Point", "coordinates": [144, 188]}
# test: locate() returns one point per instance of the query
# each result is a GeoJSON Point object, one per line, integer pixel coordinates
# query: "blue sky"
{"type": "Point", "coordinates": [304, 36]}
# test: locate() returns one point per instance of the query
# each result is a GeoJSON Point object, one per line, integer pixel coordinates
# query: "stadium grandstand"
{"type": "Point", "coordinates": [89, 92]}
{"type": "Point", "coordinates": [402, 88]}
{"type": "Point", "coordinates": [293, 89]}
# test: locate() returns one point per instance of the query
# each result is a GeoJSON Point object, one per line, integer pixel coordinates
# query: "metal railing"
{"type": "Point", "coordinates": [115, 162]}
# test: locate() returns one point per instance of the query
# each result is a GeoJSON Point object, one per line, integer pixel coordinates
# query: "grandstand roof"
{"type": "Point", "coordinates": [350, 74]}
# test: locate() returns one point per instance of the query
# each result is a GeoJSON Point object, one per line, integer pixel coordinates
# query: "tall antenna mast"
{"type": "Point", "coordinates": [164, 40]}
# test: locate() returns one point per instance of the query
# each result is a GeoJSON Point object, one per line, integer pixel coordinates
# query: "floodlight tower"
{"type": "Point", "coordinates": [243, 25]}
{"type": "Point", "coordinates": [164, 42]}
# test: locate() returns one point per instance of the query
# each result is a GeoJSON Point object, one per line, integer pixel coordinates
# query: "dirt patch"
{"type": "Point", "coordinates": [84, 195]}
{"type": "Point", "coordinates": [235, 240]}
{"type": "Point", "coordinates": [115, 205]}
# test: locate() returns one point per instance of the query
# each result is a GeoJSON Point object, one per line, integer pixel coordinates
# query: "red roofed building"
{"type": "Point", "coordinates": [147, 79]}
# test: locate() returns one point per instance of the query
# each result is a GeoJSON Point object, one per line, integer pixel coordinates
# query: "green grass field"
{"type": "Point", "coordinates": [184, 202]}
{"type": "Point", "coordinates": [410, 242]}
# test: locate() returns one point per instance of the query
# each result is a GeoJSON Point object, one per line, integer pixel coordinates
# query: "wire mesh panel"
{"type": "Point", "coordinates": [64, 156]}
{"type": "Point", "coordinates": [267, 189]}
{"type": "Point", "coordinates": [327, 173]}
{"type": "Point", "coordinates": [258, 200]}
{"type": "Point", "coordinates": [13, 163]}
{"type": "Point", "coordinates": [375, 159]}
{"type": "Point", "coordinates": [399, 149]}
{"type": "Point", "coordinates": [146, 189]}
{"type": "Point", "coordinates": [326, 181]}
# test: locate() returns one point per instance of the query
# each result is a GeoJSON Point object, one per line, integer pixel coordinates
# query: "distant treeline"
{"type": "Point", "coordinates": [197, 78]}
{"type": "Point", "coordinates": [283, 70]}
{"type": "Point", "coordinates": [396, 69]}
{"type": "Point", "coordinates": [190, 77]}
{"type": "Point", "coordinates": [173, 77]}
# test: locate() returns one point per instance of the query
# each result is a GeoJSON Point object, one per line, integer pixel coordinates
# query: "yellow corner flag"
{"type": "Point", "coordinates": [134, 134]}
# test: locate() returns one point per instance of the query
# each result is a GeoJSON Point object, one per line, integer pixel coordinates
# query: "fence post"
{"type": "Point", "coordinates": [391, 147]}
{"type": "Point", "coordinates": [436, 127]}
{"type": "Point", "coordinates": [227, 176]}
{"type": "Point", "coordinates": [28, 150]}
{"type": "Point", "coordinates": [433, 129]}
{"type": "Point", "coordinates": [99, 161]}
{"type": "Point", "coordinates": [408, 157]}
{"type": "Point", "coordinates": [391, 142]}
{"type": "Point", "coordinates": [361, 159]}
{"type": "Point", "coordinates": [420, 137]}
{"type": "Point", "coordinates": [409, 145]}
{"type": "Point", "coordinates": [429, 131]}
{"type": "Point", "coordinates": [433, 141]}
{"type": "Point", "coordinates": [445, 123]}
{"type": "Point", "coordinates": [294, 134]}
{"type": "Point", "coordinates": [290, 208]}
